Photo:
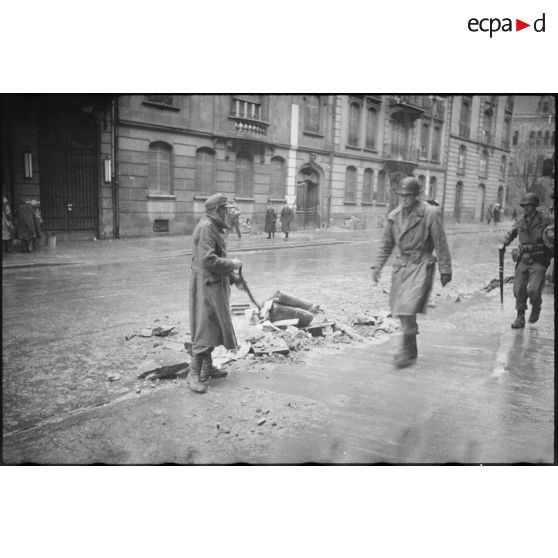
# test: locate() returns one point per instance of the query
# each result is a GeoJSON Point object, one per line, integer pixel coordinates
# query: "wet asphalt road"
{"type": "Point", "coordinates": [480, 392]}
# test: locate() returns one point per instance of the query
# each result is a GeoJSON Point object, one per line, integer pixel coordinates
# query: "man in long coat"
{"type": "Point", "coordinates": [413, 229]}
{"type": "Point", "coordinates": [286, 217]}
{"type": "Point", "coordinates": [28, 226]}
{"type": "Point", "coordinates": [212, 274]}
{"type": "Point", "coordinates": [532, 260]}
{"type": "Point", "coordinates": [270, 219]}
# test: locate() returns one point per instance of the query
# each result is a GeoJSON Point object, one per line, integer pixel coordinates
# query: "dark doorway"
{"type": "Point", "coordinates": [308, 198]}
{"type": "Point", "coordinates": [68, 171]}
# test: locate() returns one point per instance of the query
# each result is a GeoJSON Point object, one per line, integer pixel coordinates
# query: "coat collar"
{"type": "Point", "coordinates": [415, 216]}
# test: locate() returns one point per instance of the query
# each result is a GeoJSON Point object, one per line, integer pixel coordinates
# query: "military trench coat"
{"type": "Point", "coordinates": [270, 219]}
{"type": "Point", "coordinates": [287, 216]}
{"type": "Point", "coordinates": [210, 317]}
{"type": "Point", "coordinates": [413, 241]}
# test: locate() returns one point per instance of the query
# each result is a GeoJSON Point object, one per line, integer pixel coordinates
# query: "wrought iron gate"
{"type": "Point", "coordinates": [68, 170]}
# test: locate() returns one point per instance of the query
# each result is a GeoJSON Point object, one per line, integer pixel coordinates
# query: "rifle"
{"type": "Point", "coordinates": [501, 274]}
{"type": "Point", "coordinates": [243, 286]}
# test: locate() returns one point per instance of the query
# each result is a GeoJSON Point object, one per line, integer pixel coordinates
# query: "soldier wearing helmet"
{"type": "Point", "coordinates": [532, 258]}
{"type": "Point", "coordinates": [413, 231]}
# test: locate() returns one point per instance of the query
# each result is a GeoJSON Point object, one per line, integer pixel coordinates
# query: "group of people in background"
{"type": "Point", "coordinates": [24, 226]}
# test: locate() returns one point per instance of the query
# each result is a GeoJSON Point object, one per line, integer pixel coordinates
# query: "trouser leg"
{"type": "Point", "coordinates": [520, 282]}
{"type": "Point", "coordinates": [198, 357]}
{"type": "Point", "coordinates": [408, 351]}
{"type": "Point", "coordinates": [534, 289]}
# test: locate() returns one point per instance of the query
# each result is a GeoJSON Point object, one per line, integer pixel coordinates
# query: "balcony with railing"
{"type": "Point", "coordinates": [247, 118]}
{"type": "Point", "coordinates": [408, 107]}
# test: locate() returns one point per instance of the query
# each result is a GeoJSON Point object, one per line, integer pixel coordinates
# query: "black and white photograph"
{"type": "Point", "coordinates": [278, 278]}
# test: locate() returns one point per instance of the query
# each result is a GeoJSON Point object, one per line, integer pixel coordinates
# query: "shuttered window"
{"type": "Point", "coordinates": [371, 128]}
{"type": "Point", "coordinates": [354, 124]}
{"type": "Point", "coordinates": [381, 192]}
{"type": "Point", "coordinates": [350, 184]}
{"type": "Point", "coordinates": [243, 174]}
{"type": "Point", "coordinates": [367, 185]}
{"type": "Point", "coordinates": [312, 113]}
{"type": "Point", "coordinates": [160, 168]}
{"type": "Point", "coordinates": [205, 171]}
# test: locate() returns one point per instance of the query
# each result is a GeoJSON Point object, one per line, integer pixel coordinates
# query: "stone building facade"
{"type": "Point", "coordinates": [533, 148]}
{"type": "Point", "coordinates": [143, 165]}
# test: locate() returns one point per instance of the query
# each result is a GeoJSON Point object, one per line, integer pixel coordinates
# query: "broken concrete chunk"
{"type": "Point", "coordinates": [286, 323]}
{"type": "Point", "coordinates": [162, 331]}
{"type": "Point", "coordinates": [261, 421]}
{"type": "Point", "coordinates": [164, 372]}
{"type": "Point", "coordinates": [114, 377]}
{"type": "Point", "coordinates": [362, 319]}
{"type": "Point", "coordinates": [349, 331]}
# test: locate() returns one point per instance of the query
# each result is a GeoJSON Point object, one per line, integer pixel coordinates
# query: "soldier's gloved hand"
{"type": "Point", "coordinates": [234, 278]}
{"type": "Point", "coordinates": [445, 278]}
{"type": "Point", "coordinates": [236, 263]}
{"type": "Point", "coordinates": [376, 272]}
{"type": "Point", "coordinates": [501, 246]}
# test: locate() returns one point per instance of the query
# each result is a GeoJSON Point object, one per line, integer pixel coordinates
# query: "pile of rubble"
{"type": "Point", "coordinates": [283, 326]}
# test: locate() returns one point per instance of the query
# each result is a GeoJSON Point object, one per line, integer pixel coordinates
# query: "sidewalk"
{"type": "Point", "coordinates": [88, 252]}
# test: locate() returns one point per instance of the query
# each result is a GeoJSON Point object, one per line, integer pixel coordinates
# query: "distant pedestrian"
{"type": "Point", "coordinates": [8, 226]}
{"type": "Point", "coordinates": [287, 216]}
{"type": "Point", "coordinates": [496, 214]}
{"type": "Point", "coordinates": [234, 218]}
{"type": "Point", "coordinates": [532, 259]}
{"type": "Point", "coordinates": [413, 230]}
{"type": "Point", "coordinates": [270, 219]}
{"type": "Point", "coordinates": [212, 275]}
{"type": "Point", "coordinates": [489, 214]}
{"type": "Point", "coordinates": [28, 225]}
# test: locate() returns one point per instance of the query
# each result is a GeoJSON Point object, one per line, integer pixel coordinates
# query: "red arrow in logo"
{"type": "Point", "coordinates": [519, 25]}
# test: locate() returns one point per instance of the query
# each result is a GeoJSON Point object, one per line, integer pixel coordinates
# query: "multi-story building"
{"type": "Point", "coordinates": [533, 144]}
{"type": "Point", "coordinates": [478, 155]}
{"type": "Point", "coordinates": [131, 165]}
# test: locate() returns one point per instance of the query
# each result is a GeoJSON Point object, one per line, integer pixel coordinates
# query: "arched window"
{"type": "Point", "coordinates": [278, 178]}
{"type": "Point", "coordinates": [507, 127]}
{"type": "Point", "coordinates": [381, 191]}
{"type": "Point", "coordinates": [371, 127]}
{"type": "Point", "coordinates": [515, 137]}
{"type": "Point", "coordinates": [487, 124]}
{"type": "Point", "coordinates": [539, 167]}
{"type": "Point", "coordinates": [503, 167]}
{"type": "Point", "coordinates": [465, 118]}
{"type": "Point", "coordinates": [312, 113]}
{"type": "Point", "coordinates": [500, 195]}
{"type": "Point", "coordinates": [546, 137]}
{"type": "Point", "coordinates": [433, 187]}
{"type": "Point", "coordinates": [243, 175]}
{"type": "Point", "coordinates": [483, 163]}
{"type": "Point", "coordinates": [350, 184]}
{"type": "Point", "coordinates": [436, 143]}
{"type": "Point", "coordinates": [160, 168]}
{"type": "Point", "coordinates": [354, 124]}
{"type": "Point", "coordinates": [205, 171]}
{"type": "Point", "coordinates": [367, 181]}
{"type": "Point", "coordinates": [545, 106]}
{"type": "Point", "coordinates": [461, 159]}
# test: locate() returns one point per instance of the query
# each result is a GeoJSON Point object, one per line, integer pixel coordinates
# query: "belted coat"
{"type": "Point", "coordinates": [210, 316]}
{"type": "Point", "coordinates": [413, 238]}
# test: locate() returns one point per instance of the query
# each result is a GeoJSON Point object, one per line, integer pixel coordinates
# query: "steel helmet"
{"type": "Point", "coordinates": [529, 199]}
{"type": "Point", "coordinates": [409, 185]}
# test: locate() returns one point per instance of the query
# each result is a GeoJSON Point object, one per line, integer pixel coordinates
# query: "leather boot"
{"type": "Point", "coordinates": [210, 371]}
{"type": "Point", "coordinates": [408, 352]}
{"type": "Point", "coordinates": [519, 321]}
{"type": "Point", "coordinates": [535, 313]}
{"type": "Point", "coordinates": [194, 375]}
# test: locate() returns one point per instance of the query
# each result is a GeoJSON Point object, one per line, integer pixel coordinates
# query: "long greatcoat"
{"type": "Point", "coordinates": [287, 216]}
{"type": "Point", "coordinates": [210, 317]}
{"type": "Point", "coordinates": [270, 218]}
{"type": "Point", "coordinates": [413, 239]}
{"type": "Point", "coordinates": [27, 222]}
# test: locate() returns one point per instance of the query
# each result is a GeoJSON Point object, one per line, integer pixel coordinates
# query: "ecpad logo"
{"type": "Point", "coordinates": [494, 24]}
